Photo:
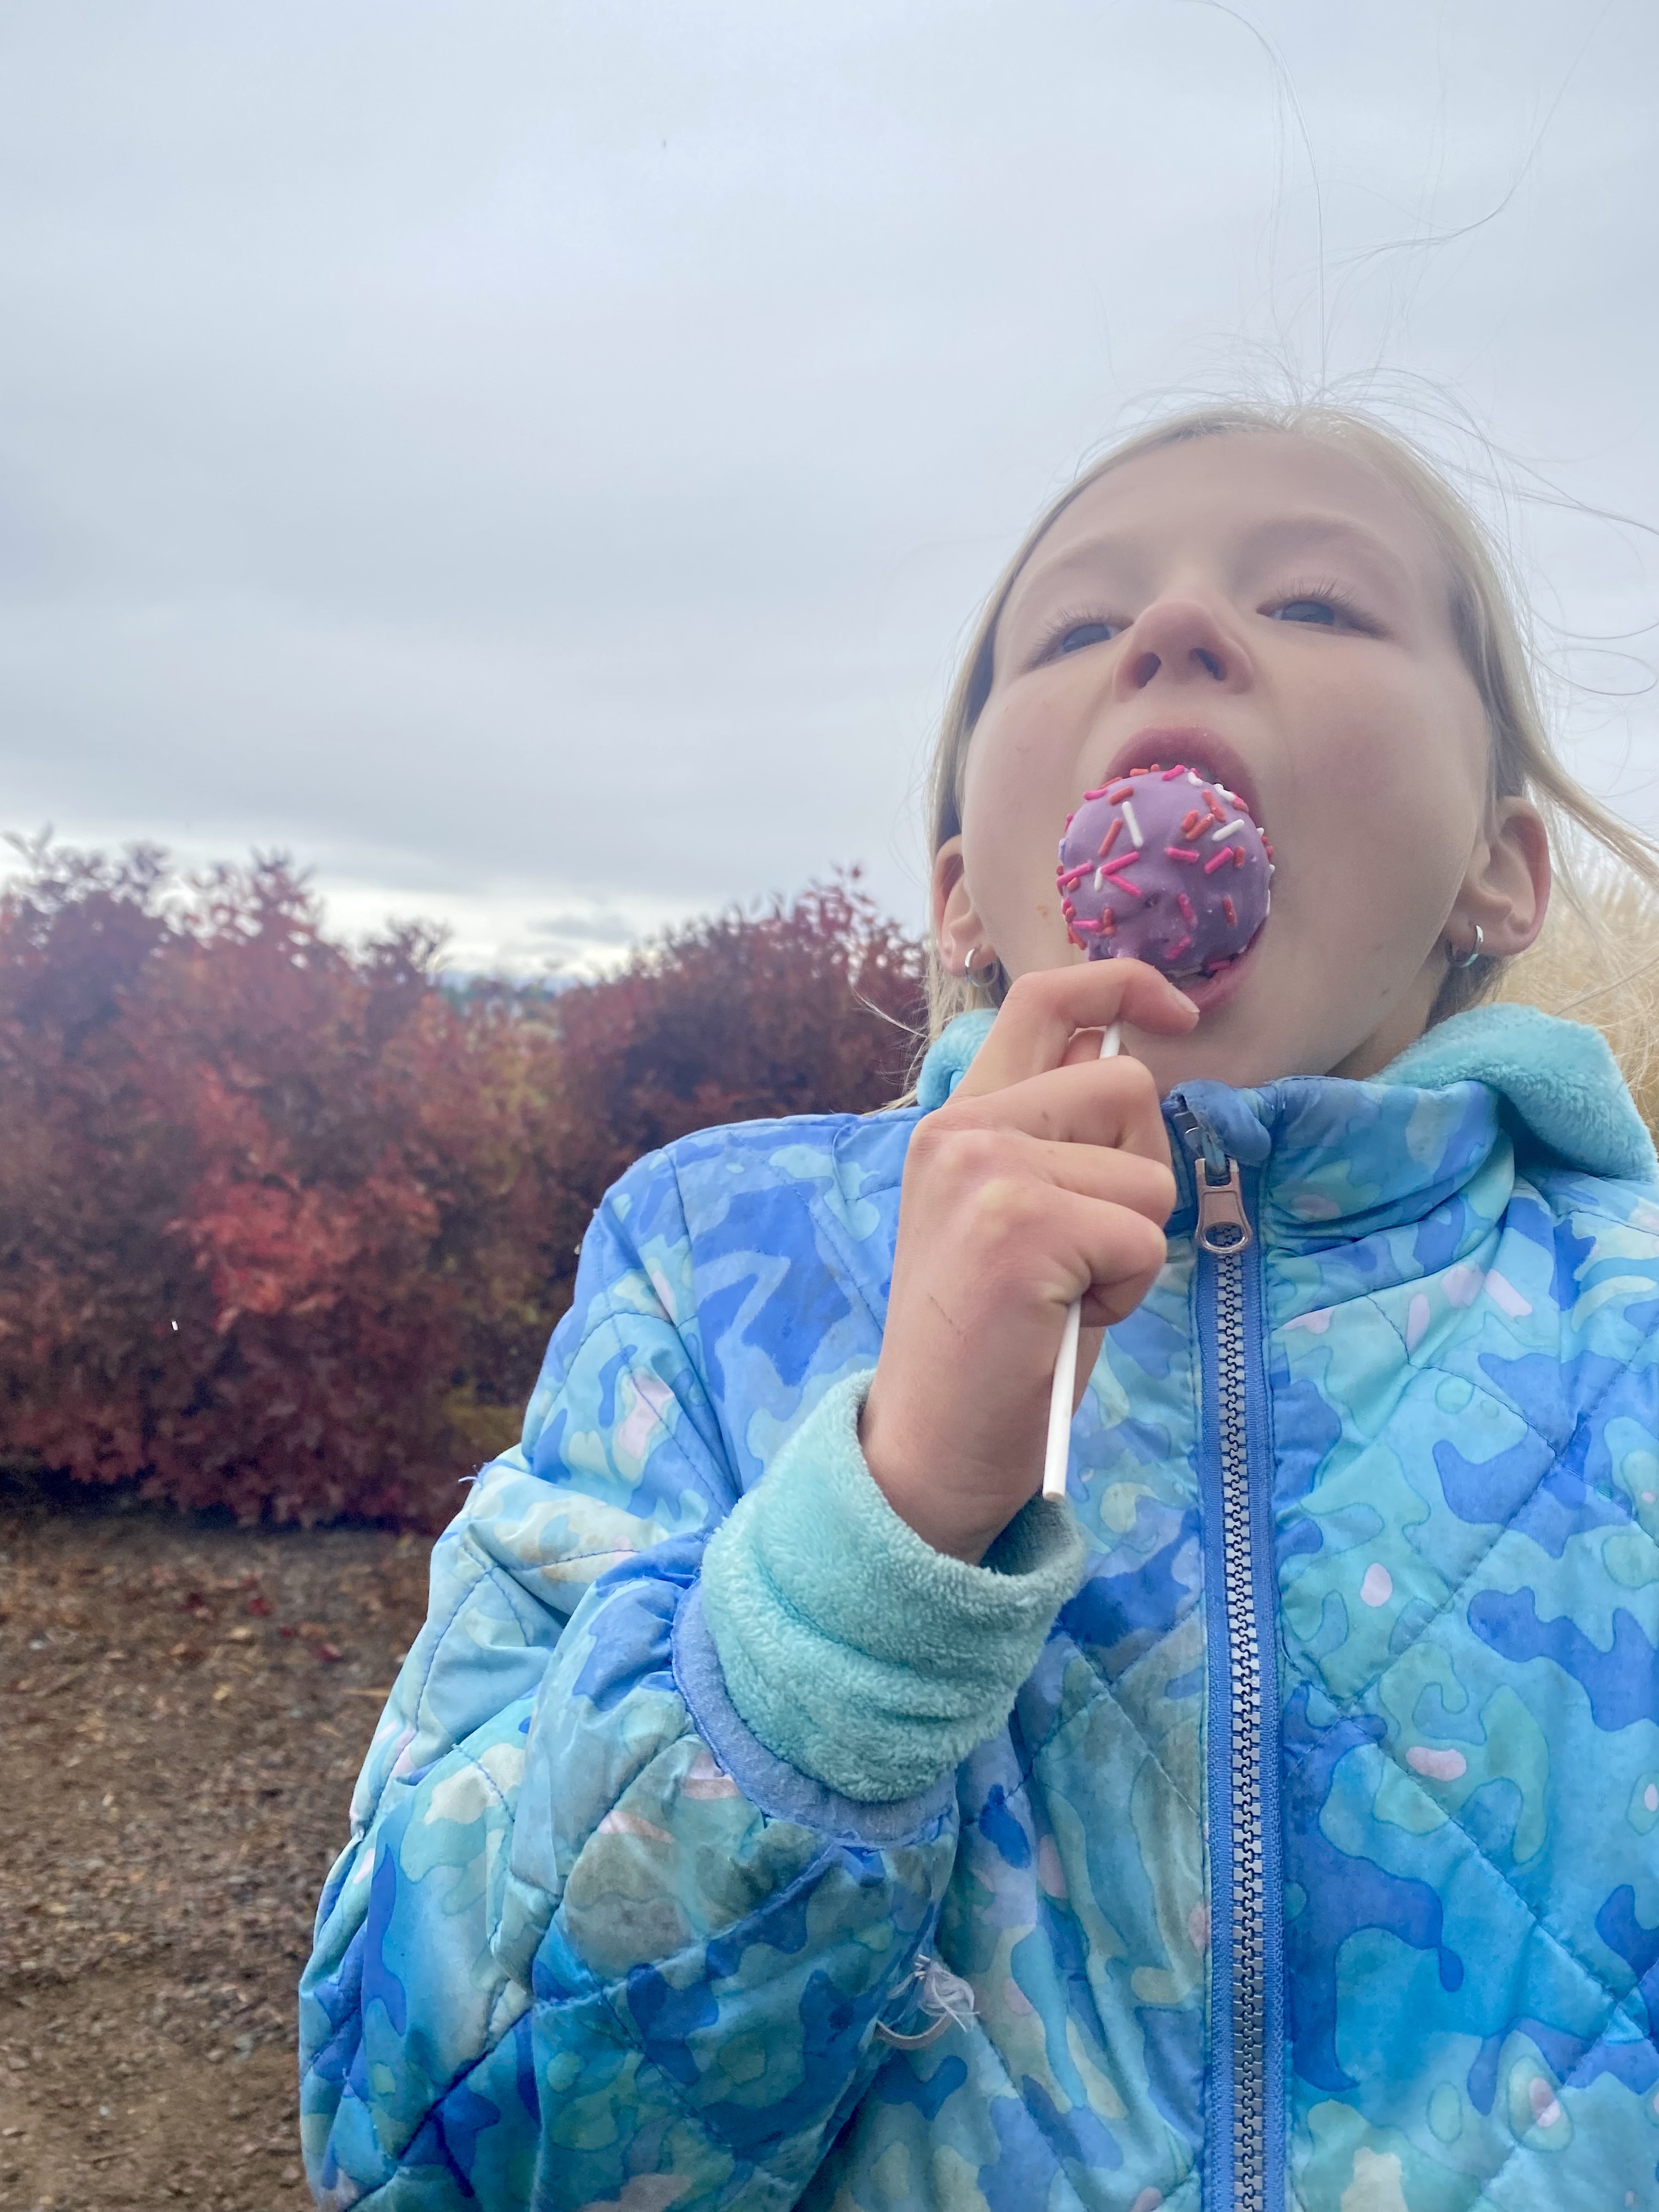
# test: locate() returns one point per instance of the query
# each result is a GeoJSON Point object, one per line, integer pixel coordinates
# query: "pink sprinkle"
{"type": "Point", "coordinates": [1102, 793]}
{"type": "Point", "coordinates": [1181, 852]}
{"type": "Point", "coordinates": [1186, 906]}
{"type": "Point", "coordinates": [1219, 861]}
{"type": "Point", "coordinates": [1111, 838]}
{"type": "Point", "coordinates": [1120, 791]}
{"type": "Point", "coordinates": [1123, 883]}
{"type": "Point", "coordinates": [1231, 912]}
{"type": "Point", "coordinates": [1176, 950]}
{"type": "Point", "coordinates": [1123, 860]}
{"type": "Point", "coordinates": [1170, 774]}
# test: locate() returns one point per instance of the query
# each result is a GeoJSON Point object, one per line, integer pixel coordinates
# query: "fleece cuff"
{"type": "Point", "coordinates": [851, 1647]}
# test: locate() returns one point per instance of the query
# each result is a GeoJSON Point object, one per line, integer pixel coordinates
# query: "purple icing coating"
{"type": "Point", "coordinates": [1195, 892]}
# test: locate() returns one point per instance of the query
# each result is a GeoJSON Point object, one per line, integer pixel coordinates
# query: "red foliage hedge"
{"type": "Point", "coordinates": [284, 1226]}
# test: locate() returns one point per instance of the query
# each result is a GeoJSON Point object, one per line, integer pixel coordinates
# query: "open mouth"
{"type": "Point", "coordinates": [1204, 750]}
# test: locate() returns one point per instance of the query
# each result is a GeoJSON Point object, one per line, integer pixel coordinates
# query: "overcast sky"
{"type": "Point", "coordinates": [536, 462]}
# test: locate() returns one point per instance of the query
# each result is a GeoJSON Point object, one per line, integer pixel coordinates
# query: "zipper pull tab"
{"type": "Point", "coordinates": [1223, 1226]}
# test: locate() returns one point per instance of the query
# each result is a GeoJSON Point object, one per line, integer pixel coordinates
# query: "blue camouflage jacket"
{"type": "Point", "coordinates": [1276, 1823]}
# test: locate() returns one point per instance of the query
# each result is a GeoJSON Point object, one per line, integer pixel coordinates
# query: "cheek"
{"type": "Point", "coordinates": [1400, 731]}
{"type": "Point", "coordinates": [1015, 799]}
{"type": "Point", "coordinates": [1396, 786]}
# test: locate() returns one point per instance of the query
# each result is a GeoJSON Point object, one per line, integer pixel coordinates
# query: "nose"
{"type": "Point", "coordinates": [1181, 641]}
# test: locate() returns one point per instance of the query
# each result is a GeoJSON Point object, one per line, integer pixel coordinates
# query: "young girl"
{"type": "Point", "coordinates": [785, 1804]}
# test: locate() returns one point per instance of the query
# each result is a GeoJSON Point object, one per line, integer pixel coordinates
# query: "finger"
{"type": "Point", "coordinates": [1102, 1102]}
{"type": "Point", "coordinates": [1110, 1258]}
{"type": "Point", "coordinates": [1043, 1013]}
{"type": "Point", "coordinates": [1143, 1185]}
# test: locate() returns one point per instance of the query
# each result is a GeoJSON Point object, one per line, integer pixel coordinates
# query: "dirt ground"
{"type": "Point", "coordinates": [183, 1709]}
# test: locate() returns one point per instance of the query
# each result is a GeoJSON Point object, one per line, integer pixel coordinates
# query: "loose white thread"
{"type": "Point", "coordinates": [945, 1996]}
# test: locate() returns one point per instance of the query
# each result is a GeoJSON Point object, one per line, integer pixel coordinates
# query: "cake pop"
{"type": "Point", "coordinates": [1166, 865]}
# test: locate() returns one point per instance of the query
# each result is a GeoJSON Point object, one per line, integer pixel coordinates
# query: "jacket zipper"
{"type": "Point", "coordinates": [1249, 1903]}
{"type": "Point", "coordinates": [1244, 2126]}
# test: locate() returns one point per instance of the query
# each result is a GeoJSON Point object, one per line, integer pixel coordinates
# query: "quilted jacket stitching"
{"type": "Point", "coordinates": [1557, 1936]}
{"type": "Point", "coordinates": [1350, 1704]}
{"type": "Point", "coordinates": [1572, 2081]}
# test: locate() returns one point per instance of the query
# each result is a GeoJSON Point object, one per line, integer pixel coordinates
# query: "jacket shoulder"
{"type": "Point", "coordinates": [1585, 1206]}
{"type": "Point", "coordinates": [822, 1183]}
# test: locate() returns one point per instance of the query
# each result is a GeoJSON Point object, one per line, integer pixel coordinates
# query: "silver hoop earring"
{"type": "Point", "coordinates": [1468, 959]}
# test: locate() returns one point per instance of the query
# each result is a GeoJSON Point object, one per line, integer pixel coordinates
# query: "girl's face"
{"type": "Point", "coordinates": [1271, 611]}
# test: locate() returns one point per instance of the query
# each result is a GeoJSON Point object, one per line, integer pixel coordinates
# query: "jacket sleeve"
{"type": "Point", "coordinates": [593, 1937]}
{"type": "Point", "coordinates": [563, 1950]}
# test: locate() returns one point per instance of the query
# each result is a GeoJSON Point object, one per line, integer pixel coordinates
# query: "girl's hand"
{"type": "Point", "coordinates": [1045, 1177]}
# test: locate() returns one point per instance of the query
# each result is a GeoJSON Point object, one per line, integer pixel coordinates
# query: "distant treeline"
{"type": "Point", "coordinates": [284, 1225]}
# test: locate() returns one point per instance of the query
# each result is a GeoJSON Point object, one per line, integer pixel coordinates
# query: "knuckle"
{"type": "Point", "coordinates": [1149, 1249]}
{"type": "Point", "coordinates": [1135, 1081]}
{"type": "Point", "coordinates": [998, 1210]}
{"type": "Point", "coordinates": [932, 1132]}
{"type": "Point", "coordinates": [1034, 988]}
{"type": "Point", "coordinates": [1158, 1190]}
{"type": "Point", "coordinates": [978, 1156]}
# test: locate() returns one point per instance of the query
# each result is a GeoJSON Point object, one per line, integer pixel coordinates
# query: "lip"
{"type": "Point", "coordinates": [1193, 742]}
{"type": "Point", "coordinates": [1210, 992]}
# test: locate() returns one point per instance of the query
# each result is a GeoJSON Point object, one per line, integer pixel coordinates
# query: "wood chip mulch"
{"type": "Point", "coordinates": [183, 1709]}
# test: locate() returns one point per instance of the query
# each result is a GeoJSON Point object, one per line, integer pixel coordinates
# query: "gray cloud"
{"type": "Point", "coordinates": [535, 462]}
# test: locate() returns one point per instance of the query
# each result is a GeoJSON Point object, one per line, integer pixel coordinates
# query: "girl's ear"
{"type": "Point", "coordinates": [958, 930]}
{"type": "Point", "coordinates": [1506, 892]}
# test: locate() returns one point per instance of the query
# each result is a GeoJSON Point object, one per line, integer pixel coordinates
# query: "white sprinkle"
{"type": "Point", "coordinates": [1130, 823]}
{"type": "Point", "coordinates": [1193, 778]}
{"type": "Point", "coordinates": [1100, 880]}
{"type": "Point", "coordinates": [1228, 829]}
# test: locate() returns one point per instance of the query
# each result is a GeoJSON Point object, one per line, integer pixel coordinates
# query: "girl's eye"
{"type": "Point", "coordinates": [1323, 606]}
{"type": "Point", "coordinates": [1076, 637]}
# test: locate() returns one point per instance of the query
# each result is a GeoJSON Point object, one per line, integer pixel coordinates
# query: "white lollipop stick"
{"type": "Point", "coordinates": [1058, 1449]}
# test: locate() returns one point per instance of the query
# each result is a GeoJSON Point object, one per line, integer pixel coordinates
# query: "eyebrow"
{"type": "Point", "coordinates": [1288, 532]}
{"type": "Point", "coordinates": [1338, 530]}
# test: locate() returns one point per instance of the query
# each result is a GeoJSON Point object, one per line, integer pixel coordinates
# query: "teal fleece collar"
{"type": "Point", "coordinates": [1559, 1080]}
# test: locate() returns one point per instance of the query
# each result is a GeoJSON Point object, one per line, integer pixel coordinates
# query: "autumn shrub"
{"type": "Point", "coordinates": [283, 1225]}
{"type": "Point", "coordinates": [804, 1008]}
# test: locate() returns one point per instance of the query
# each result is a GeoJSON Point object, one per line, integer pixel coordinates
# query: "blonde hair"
{"type": "Point", "coordinates": [1492, 636]}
